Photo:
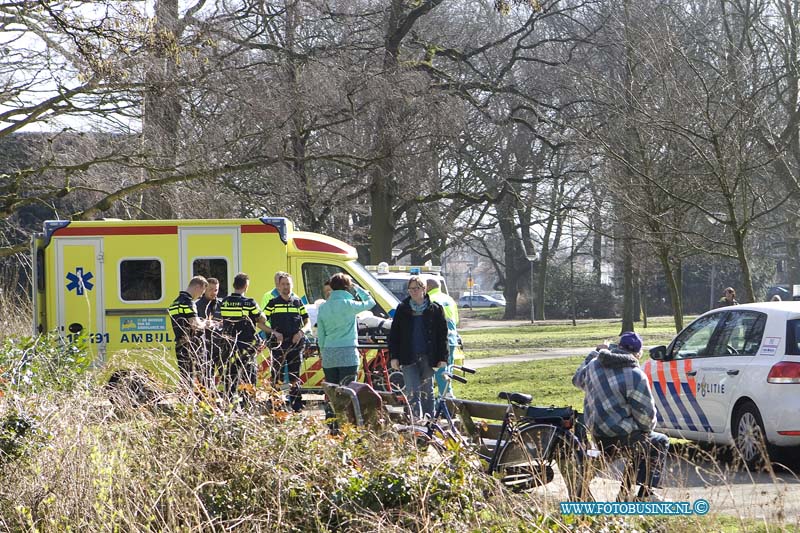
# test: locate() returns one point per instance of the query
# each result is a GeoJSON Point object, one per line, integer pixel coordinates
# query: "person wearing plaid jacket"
{"type": "Point", "coordinates": [619, 409]}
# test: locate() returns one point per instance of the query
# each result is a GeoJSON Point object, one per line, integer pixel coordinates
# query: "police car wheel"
{"type": "Point", "coordinates": [748, 436]}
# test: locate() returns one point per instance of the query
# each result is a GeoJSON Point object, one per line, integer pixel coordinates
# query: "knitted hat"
{"type": "Point", "coordinates": [630, 341]}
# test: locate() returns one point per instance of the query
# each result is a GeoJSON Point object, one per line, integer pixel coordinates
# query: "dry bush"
{"type": "Point", "coordinates": [17, 311]}
{"type": "Point", "coordinates": [72, 460]}
{"type": "Point", "coordinates": [87, 465]}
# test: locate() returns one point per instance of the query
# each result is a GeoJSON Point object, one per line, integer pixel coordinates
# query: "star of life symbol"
{"type": "Point", "coordinates": [79, 281]}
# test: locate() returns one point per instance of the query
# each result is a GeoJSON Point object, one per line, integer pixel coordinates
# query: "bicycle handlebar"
{"type": "Point", "coordinates": [448, 375]}
{"type": "Point", "coordinates": [464, 369]}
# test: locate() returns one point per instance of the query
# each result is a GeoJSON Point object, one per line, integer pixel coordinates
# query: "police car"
{"type": "Point", "coordinates": [395, 277]}
{"type": "Point", "coordinates": [731, 377]}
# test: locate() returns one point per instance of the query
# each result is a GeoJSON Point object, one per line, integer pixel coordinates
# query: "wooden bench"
{"type": "Point", "coordinates": [355, 403]}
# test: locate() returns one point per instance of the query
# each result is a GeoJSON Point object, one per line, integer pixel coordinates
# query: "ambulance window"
{"type": "Point", "coordinates": [140, 280]}
{"type": "Point", "coordinates": [40, 270]}
{"type": "Point", "coordinates": [694, 340]}
{"type": "Point", "coordinates": [213, 268]}
{"type": "Point", "coordinates": [314, 277]}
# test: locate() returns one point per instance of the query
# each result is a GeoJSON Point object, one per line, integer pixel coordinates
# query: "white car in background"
{"type": "Point", "coordinates": [479, 300]}
{"type": "Point", "coordinates": [732, 377]}
{"type": "Point", "coordinates": [499, 296]}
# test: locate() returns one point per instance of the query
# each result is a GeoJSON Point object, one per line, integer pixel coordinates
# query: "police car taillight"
{"type": "Point", "coordinates": [784, 372]}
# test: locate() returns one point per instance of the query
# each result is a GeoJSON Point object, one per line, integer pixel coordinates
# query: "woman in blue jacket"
{"type": "Point", "coordinates": [337, 330]}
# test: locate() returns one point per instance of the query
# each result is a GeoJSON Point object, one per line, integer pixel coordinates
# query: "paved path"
{"type": "Point", "coordinates": [774, 497]}
{"type": "Point", "coordinates": [544, 353]}
{"type": "Point", "coordinates": [477, 323]}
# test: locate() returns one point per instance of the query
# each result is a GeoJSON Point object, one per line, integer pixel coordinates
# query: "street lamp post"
{"type": "Point", "coordinates": [712, 293]}
{"type": "Point", "coordinates": [531, 258]}
{"type": "Point", "coordinates": [715, 219]}
{"type": "Point", "coordinates": [395, 254]}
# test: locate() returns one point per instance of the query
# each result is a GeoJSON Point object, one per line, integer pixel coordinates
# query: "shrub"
{"type": "Point", "coordinates": [43, 363]}
{"type": "Point", "coordinates": [591, 300]}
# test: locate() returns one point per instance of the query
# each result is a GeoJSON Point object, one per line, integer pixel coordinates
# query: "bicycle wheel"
{"type": "Point", "coordinates": [542, 455]}
{"type": "Point", "coordinates": [397, 380]}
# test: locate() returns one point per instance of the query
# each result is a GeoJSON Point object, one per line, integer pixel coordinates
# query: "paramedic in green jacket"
{"type": "Point", "coordinates": [451, 314]}
{"type": "Point", "coordinates": [337, 331]}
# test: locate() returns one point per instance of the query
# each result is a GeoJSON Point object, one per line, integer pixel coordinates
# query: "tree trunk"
{"type": "Point", "coordinates": [161, 112]}
{"type": "Point", "coordinates": [512, 255]}
{"type": "Point", "coordinates": [382, 227]}
{"type": "Point", "coordinates": [541, 282]}
{"type": "Point", "coordinates": [744, 265]}
{"type": "Point", "coordinates": [382, 179]}
{"type": "Point", "coordinates": [791, 237]}
{"type": "Point", "coordinates": [597, 242]}
{"type": "Point", "coordinates": [643, 300]}
{"type": "Point", "coordinates": [627, 284]}
{"type": "Point", "coordinates": [572, 303]}
{"type": "Point", "coordinates": [674, 288]}
{"type": "Point", "coordinates": [298, 137]}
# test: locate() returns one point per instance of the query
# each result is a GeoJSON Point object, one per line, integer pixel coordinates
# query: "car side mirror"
{"type": "Point", "coordinates": [658, 353]}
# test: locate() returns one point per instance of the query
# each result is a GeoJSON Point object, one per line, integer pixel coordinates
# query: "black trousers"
{"type": "Point", "coordinates": [292, 357]}
{"type": "Point", "coordinates": [238, 367]}
{"type": "Point", "coordinates": [192, 360]}
{"type": "Point", "coordinates": [215, 354]}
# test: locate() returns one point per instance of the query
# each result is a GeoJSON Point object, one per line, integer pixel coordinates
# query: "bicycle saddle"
{"type": "Point", "coordinates": [516, 397]}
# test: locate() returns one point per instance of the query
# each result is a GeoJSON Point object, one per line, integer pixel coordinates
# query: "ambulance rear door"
{"type": "Point", "coordinates": [79, 292]}
{"type": "Point", "coordinates": [210, 252]}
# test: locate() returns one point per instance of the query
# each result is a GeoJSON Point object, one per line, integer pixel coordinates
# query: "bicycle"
{"type": "Point", "coordinates": [533, 450]}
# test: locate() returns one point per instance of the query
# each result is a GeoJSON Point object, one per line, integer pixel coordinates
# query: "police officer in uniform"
{"type": "Point", "coordinates": [208, 309]}
{"type": "Point", "coordinates": [451, 315]}
{"type": "Point", "coordinates": [240, 318]}
{"type": "Point", "coordinates": [288, 318]}
{"type": "Point", "coordinates": [188, 328]}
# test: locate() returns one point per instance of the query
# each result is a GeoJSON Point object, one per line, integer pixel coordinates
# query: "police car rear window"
{"type": "Point", "coordinates": [793, 337]}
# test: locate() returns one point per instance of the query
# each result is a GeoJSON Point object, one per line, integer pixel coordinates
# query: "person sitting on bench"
{"type": "Point", "coordinates": [619, 409]}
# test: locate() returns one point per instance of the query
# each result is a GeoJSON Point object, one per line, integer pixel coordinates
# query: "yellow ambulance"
{"type": "Point", "coordinates": [108, 283]}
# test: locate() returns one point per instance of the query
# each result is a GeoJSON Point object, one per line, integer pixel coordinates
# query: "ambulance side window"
{"type": "Point", "coordinates": [314, 277]}
{"type": "Point", "coordinates": [695, 339]}
{"type": "Point", "coordinates": [140, 280]}
{"type": "Point", "coordinates": [40, 269]}
{"type": "Point", "coordinates": [216, 267]}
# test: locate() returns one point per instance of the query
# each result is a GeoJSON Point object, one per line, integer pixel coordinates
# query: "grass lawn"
{"type": "Point", "coordinates": [494, 342]}
{"type": "Point", "coordinates": [548, 380]}
{"type": "Point", "coordinates": [483, 313]}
